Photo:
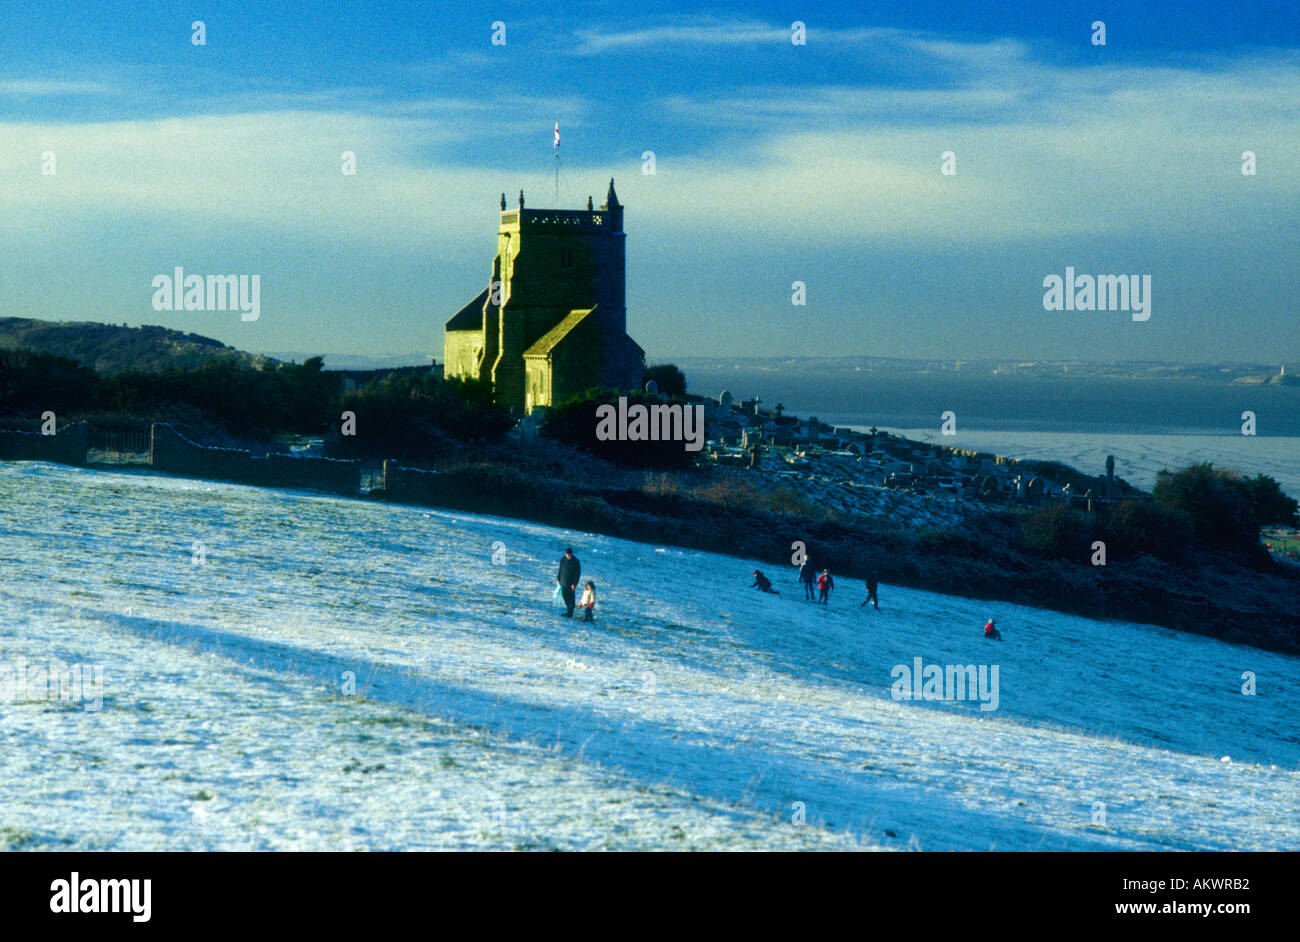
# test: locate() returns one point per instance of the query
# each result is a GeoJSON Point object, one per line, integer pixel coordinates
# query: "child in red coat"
{"type": "Point", "coordinates": [825, 583]}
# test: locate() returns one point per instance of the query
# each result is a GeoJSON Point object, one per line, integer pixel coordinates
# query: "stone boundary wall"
{"type": "Point", "coordinates": [68, 446]}
{"type": "Point", "coordinates": [410, 484]}
{"type": "Point", "coordinates": [176, 454]}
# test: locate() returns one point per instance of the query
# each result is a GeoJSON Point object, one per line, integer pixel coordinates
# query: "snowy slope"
{"type": "Point", "coordinates": [693, 713]}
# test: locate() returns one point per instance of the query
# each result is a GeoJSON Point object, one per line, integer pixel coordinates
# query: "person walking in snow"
{"type": "Point", "coordinates": [825, 583]}
{"type": "Point", "coordinates": [871, 591]}
{"type": "Point", "coordinates": [991, 631]}
{"type": "Point", "coordinates": [762, 583]}
{"type": "Point", "coordinates": [808, 576]}
{"type": "Point", "coordinates": [567, 577]}
{"type": "Point", "coordinates": [588, 603]}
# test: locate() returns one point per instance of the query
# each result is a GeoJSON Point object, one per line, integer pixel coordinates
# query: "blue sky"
{"type": "Point", "coordinates": [775, 163]}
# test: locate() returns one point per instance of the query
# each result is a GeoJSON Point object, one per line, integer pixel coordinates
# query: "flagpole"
{"type": "Point", "coordinates": [557, 165]}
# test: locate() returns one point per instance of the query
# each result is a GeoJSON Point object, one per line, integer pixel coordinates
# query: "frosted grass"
{"type": "Point", "coordinates": [693, 713]}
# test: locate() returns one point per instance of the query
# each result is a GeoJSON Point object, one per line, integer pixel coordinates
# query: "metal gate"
{"type": "Point", "coordinates": [372, 479]}
{"type": "Point", "coordinates": [104, 447]}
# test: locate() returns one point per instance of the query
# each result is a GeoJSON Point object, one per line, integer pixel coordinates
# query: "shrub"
{"type": "Point", "coordinates": [1057, 530]}
{"type": "Point", "coordinates": [35, 382]}
{"type": "Point", "coordinates": [411, 417]}
{"type": "Point", "coordinates": [1267, 501]}
{"type": "Point", "coordinates": [732, 493]}
{"type": "Point", "coordinates": [582, 511]}
{"type": "Point", "coordinates": [950, 540]}
{"type": "Point", "coordinates": [489, 487]}
{"type": "Point", "coordinates": [1213, 499]}
{"type": "Point", "coordinates": [786, 500]}
{"type": "Point", "coordinates": [671, 380]}
{"type": "Point", "coordinates": [575, 423]}
{"type": "Point", "coordinates": [661, 485]}
{"type": "Point", "coordinates": [1137, 526]}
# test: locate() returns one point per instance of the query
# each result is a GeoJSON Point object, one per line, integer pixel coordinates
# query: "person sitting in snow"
{"type": "Point", "coordinates": [991, 631]}
{"type": "Point", "coordinates": [762, 583]}
{"type": "Point", "coordinates": [588, 603]}
{"type": "Point", "coordinates": [825, 583]}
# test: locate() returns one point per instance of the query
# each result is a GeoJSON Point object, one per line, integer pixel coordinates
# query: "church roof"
{"type": "Point", "coordinates": [470, 317]}
{"type": "Point", "coordinates": [549, 340]}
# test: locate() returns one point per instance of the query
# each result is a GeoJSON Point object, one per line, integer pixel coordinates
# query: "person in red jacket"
{"type": "Point", "coordinates": [991, 631]}
{"type": "Point", "coordinates": [825, 583]}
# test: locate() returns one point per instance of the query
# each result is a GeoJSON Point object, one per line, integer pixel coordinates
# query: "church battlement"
{"type": "Point", "coordinates": [607, 220]}
{"type": "Point", "coordinates": [595, 221]}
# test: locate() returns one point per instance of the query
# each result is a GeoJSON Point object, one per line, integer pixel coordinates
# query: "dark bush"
{"type": "Point", "coordinates": [671, 380]}
{"type": "Point", "coordinates": [35, 382]}
{"type": "Point", "coordinates": [412, 417]}
{"type": "Point", "coordinates": [1268, 503]}
{"type": "Point", "coordinates": [575, 423]}
{"type": "Point", "coordinates": [1219, 509]}
{"type": "Point", "coordinates": [940, 540]}
{"type": "Point", "coordinates": [1057, 530]}
{"type": "Point", "coordinates": [583, 511]}
{"type": "Point", "coordinates": [1138, 526]}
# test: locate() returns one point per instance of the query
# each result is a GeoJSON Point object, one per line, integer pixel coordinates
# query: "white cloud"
{"type": "Point", "coordinates": [1041, 151]}
{"type": "Point", "coordinates": [706, 32]}
{"type": "Point", "coordinates": [36, 88]}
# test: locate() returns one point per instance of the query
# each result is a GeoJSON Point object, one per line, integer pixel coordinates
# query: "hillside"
{"type": "Point", "coordinates": [693, 713]}
{"type": "Point", "coordinates": [107, 348]}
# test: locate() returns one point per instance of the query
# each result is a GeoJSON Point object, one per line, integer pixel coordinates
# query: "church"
{"type": "Point", "coordinates": [552, 322]}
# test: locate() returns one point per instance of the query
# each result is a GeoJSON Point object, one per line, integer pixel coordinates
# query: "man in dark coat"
{"type": "Point", "coordinates": [808, 576]}
{"type": "Point", "coordinates": [871, 591]}
{"type": "Point", "coordinates": [567, 577]}
{"type": "Point", "coordinates": [762, 583]}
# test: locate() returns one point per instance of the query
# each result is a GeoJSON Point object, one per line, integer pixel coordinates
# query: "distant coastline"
{"type": "Point", "coordinates": [1150, 404]}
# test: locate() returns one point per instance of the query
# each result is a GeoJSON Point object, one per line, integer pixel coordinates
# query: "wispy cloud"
{"type": "Point", "coordinates": [38, 88]}
{"type": "Point", "coordinates": [704, 32]}
{"type": "Point", "coordinates": [1096, 145]}
{"type": "Point", "coordinates": [841, 164]}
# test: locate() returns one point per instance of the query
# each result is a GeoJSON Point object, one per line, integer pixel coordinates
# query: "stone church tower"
{"type": "Point", "coordinates": [553, 320]}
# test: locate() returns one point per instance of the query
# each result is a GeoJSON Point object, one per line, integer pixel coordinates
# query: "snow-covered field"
{"type": "Point", "coordinates": [1138, 458]}
{"type": "Point", "coordinates": [694, 713]}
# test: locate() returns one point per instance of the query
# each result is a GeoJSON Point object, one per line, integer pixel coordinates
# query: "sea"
{"type": "Point", "coordinates": [1148, 424]}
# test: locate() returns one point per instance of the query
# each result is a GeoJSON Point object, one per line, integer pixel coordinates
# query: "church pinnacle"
{"type": "Point", "coordinates": [611, 198]}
